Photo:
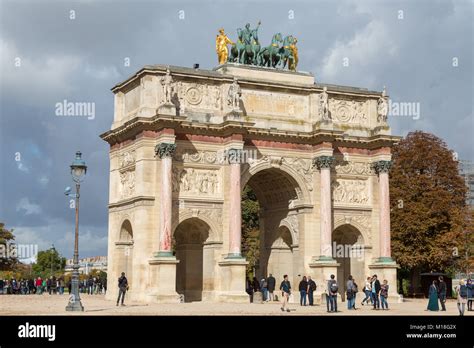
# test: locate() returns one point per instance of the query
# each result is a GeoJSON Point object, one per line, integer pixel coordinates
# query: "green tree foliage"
{"type": "Point", "coordinates": [428, 210]}
{"type": "Point", "coordinates": [250, 228]}
{"type": "Point", "coordinates": [6, 237]}
{"type": "Point", "coordinates": [47, 258]}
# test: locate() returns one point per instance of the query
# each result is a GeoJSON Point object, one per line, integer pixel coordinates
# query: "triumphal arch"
{"type": "Point", "coordinates": [185, 142]}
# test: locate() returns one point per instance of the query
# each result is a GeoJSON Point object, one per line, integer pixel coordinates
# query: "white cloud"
{"type": "Point", "coordinates": [43, 180]}
{"type": "Point", "coordinates": [29, 208]}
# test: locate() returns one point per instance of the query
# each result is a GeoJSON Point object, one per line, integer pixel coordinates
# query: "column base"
{"type": "Point", "coordinates": [322, 267]}
{"type": "Point", "coordinates": [75, 306]}
{"type": "Point", "coordinates": [162, 279]}
{"type": "Point", "coordinates": [386, 268]}
{"type": "Point", "coordinates": [232, 269]}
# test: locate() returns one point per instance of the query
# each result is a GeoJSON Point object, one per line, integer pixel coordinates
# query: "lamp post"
{"type": "Point", "coordinates": [78, 171]}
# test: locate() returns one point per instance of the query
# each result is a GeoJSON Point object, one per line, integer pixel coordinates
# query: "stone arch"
{"type": "Point", "coordinates": [363, 230]}
{"type": "Point", "coordinates": [123, 252]}
{"type": "Point", "coordinates": [303, 192]}
{"type": "Point", "coordinates": [195, 270]}
{"type": "Point", "coordinates": [349, 250]}
{"type": "Point", "coordinates": [292, 230]}
{"type": "Point", "coordinates": [199, 213]}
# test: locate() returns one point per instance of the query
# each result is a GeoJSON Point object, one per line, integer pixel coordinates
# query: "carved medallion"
{"type": "Point", "coordinates": [193, 95]}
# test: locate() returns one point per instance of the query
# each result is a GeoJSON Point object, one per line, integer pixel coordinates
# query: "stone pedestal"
{"type": "Point", "coordinates": [162, 280]}
{"type": "Point", "coordinates": [167, 109]}
{"type": "Point", "coordinates": [233, 281]}
{"type": "Point", "coordinates": [257, 297]}
{"type": "Point", "coordinates": [235, 115]}
{"type": "Point", "coordinates": [387, 269]}
{"type": "Point", "coordinates": [322, 269]}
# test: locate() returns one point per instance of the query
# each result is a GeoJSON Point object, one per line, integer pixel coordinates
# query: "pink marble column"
{"type": "Point", "coordinates": [382, 168]}
{"type": "Point", "coordinates": [324, 165]}
{"type": "Point", "coordinates": [165, 151]}
{"type": "Point", "coordinates": [235, 215]}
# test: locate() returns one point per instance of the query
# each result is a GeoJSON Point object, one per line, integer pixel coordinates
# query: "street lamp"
{"type": "Point", "coordinates": [78, 171]}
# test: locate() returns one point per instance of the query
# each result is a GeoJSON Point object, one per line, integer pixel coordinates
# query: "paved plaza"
{"type": "Point", "coordinates": [98, 305]}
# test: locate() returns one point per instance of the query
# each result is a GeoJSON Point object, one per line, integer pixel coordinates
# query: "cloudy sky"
{"type": "Point", "coordinates": [77, 50]}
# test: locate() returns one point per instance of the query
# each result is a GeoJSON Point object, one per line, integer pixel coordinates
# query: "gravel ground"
{"type": "Point", "coordinates": [97, 305]}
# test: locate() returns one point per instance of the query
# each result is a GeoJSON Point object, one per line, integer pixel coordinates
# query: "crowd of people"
{"type": "Point", "coordinates": [51, 285]}
{"type": "Point", "coordinates": [464, 295]}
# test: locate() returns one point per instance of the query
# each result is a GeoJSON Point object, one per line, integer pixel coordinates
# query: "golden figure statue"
{"type": "Point", "coordinates": [294, 50]}
{"type": "Point", "coordinates": [221, 46]}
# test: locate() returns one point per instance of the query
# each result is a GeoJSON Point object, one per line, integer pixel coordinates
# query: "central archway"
{"type": "Point", "coordinates": [277, 193]}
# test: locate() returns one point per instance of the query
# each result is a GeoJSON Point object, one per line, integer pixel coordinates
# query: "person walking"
{"type": "Point", "coordinates": [285, 288]}
{"type": "Point", "coordinates": [350, 293]}
{"type": "Point", "coordinates": [470, 294]}
{"type": "Point", "coordinates": [384, 294]}
{"type": "Point", "coordinates": [123, 287]}
{"type": "Point", "coordinates": [442, 293]}
{"type": "Point", "coordinates": [249, 289]}
{"type": "Point", "coordinates": [311, 289]}
{"type": "Point", "coordinates": [375, 290]}
{"type": "Point", "coordinates": [461, 292]}
{"type": "Point", "coordinates": [367, 292]}
{"type": "Point", "coordinates": [433, 297]}
{"type": "Point", "coordinates": [264, 287]}
{"type": "Point", "coordinates": [332, 289]}
{"type": "Point", "coordinates": [271, 282]}
{"type": "Point", "coordinates": [303, 288]}
{"type": "Point", "coordinates": [355, 290]}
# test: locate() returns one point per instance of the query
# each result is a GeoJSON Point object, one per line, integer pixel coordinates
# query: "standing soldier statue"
{"type": "Point", "coordinates": [167, 82]}
{"type": "Point", "coordinates": [234, 96]}
{"type": "Point", "coordinates": [221, 46]}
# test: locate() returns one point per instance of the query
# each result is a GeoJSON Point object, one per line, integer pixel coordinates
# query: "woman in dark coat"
{"type": "Point", "coordinates": [433, 297]}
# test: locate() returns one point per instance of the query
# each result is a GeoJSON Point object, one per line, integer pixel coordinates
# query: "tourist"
{"type": "Point", "coordinates": [311, 289]}
{"type": "Point", "coordinates": [375, 290]}
{"type": "Point", "coordinates": [61, 285]}
{"type": "Point", "coordinates": [384, 294]}
{"type": "Point", "coordinates": [470, 294]}
{"type": "Point", "coordinates": [303, 288]}
{"type": "Point", "coordinates": [461, 292]}
{"type": "Point", "coordinates": [433, 297]}
{"type": "Point", "coordinates": [90, 286]}
{"type": "Point", "coordinates": [264, 287]}
{"type": "Point", "coordinates": [1, 286]}
{"type": "Point", "coordinates": [53, 285]}
{"type": "Point", "coordinates": [31, 286]}
{"type": "Point", "coordinates": [39, 284]}
{"type": "Point", "coordinates": [249, 289]}
{"type": "Point", "coordinates": [442, 293]}
{"type": "Point", "coordinates": [255, 284]}
{"type": "Point", "coordinates": [44, 285]}
{"type": "Point", "coordinates": [332, 289]}
{"type": "Point", "coordinates": [69, 286]}
{"type": "Point", "coordinates": [350, 293]}
{"type": "Point", "coordinates": [285, 288]}
{"type": "Point", "coordinates": [271, 287]}
{"type": "Point", "coordinates": [355, 290]}
{"type": "Point", "coordinates": [123, 287]}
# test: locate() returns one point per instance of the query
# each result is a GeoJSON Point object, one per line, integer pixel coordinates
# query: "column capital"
{"type": "Point", "coordinates": [165, 150]}
{"type": "Point", "coordinates": [322, 162]}
{"type": "Point", "coordinates": [234, 156]}
{"type": "Point", "coordinates": [382, 166]}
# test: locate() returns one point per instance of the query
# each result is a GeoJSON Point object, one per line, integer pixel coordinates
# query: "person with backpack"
{"type": "Point", "coordinates": [332, 293]}
{"type": "Point", "coordinates": [271, 282]}
{"type": "Point", "coordinates": [311, 289]}
{"type": "Point", "coordinates": [355, 290]}
{"type": "Point", "coordinates": [384, 294]}
{"type": "Point", "coordinates": [375, 291]}
{"type": "Point", "coordinates": [123, 287]}
{"type": "Point", "coordinates": [442, 293]}
{"type": "Point", "coordinates": [285, 288]}
{"type": "Point", "coordinates": [264, 287]}
{"type": "Point", "coordinates": [461, 292]}
{"type": "Point", "coordinates": [303, 288]}
{"type": "Point", "coordinates": [350, 293]}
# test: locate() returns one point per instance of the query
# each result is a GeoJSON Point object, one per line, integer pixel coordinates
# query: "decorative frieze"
{"type": "Point", "coordinates": [350, 191]}
{"type": "Point", "coordinates": [196, 181]}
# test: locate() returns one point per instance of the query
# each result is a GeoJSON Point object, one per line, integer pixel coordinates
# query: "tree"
{"type": "Point", "coordinates": [428, 209]}
{"type": "Point", "coordinates": [6, 237]}
{"type": "Point", "coordinates": [48, 262]}
{"type": "Point", "coordinates": [250, 228]}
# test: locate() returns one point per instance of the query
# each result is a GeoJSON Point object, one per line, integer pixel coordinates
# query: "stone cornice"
{"type": "Point", "coordinates": [145, 200]}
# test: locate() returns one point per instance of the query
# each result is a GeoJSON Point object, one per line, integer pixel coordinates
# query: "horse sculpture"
{"type": "Point", "coordinates": [286, 53]}
{"type": "Point", "coordinates": [270, 55]}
